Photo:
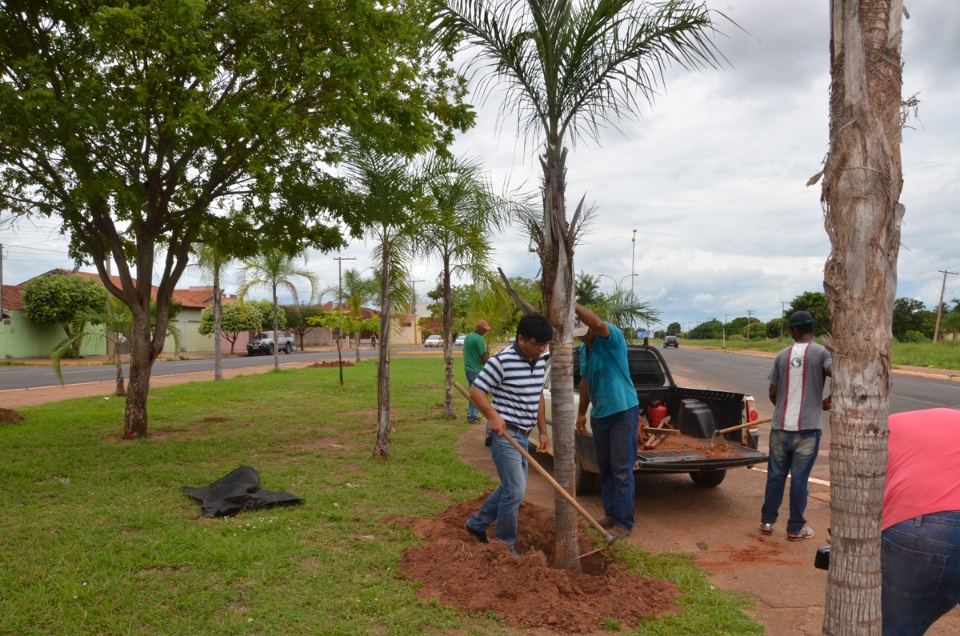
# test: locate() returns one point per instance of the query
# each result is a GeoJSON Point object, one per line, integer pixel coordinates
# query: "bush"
{"type": "Point", "coordinates": [915, 336]}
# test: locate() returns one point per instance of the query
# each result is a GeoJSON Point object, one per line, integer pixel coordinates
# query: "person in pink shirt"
{"type": "Point", "coordinates": [920, 552]}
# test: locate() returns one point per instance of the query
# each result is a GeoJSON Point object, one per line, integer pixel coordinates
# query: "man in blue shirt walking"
{"type": "Point", "coordinates": [605, 382]}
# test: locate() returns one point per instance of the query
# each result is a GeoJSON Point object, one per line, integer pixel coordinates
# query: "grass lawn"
{"type": "Point", "coordinates": [943, 355]}
{"type": "Point", "coordinates": [96, 536]}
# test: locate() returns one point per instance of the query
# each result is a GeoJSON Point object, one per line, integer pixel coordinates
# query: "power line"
{"type": "Point", "coordinates": [943, 289]}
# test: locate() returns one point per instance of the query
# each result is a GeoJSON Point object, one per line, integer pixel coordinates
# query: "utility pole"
{"type": "Point", "coordinates": [633, 277]}
{"type": "Point", "coordinates": [724, 326]}
{"type": "Point", "coordinates": [416, 326]}
{"type": "Point", "coordinates": [749, 312]}
{"type": "Point", "coordinates": [936, 329]}
{"type": "Point", "coordinates": [783, 315]}
{"type": "Point", "coordinates": [340, 260]}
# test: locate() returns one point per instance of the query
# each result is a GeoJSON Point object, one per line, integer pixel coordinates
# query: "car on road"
{"type": "Point", "coordinates": [433, 341]}
{"type": "Point", "coordinates": [263, 343]}
{"type": "Point", "coordinates": [671, 341]}
{"type": "Point", "coordinates": [459, 341]}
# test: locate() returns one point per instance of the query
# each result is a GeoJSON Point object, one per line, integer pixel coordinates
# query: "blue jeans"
{"type": "Point", "coordinates": [503, 505]}
{"type": "Point", "coordinates": [792, 452]}
{"type": "Point", "coordinates": [615, 438]}
{"type": "Point", "coordinates": [920, 561]}
{"type": "Point", "coordinates": [472, 412]}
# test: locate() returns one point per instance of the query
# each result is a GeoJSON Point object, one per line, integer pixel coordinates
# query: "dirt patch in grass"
{"type": "Point", "coordinates": [475, 577]}
{"type": "Point", "coordinates": [329, 363]}
{"type": "Point", "coordinates": [215, 419]}
{"type": "Point", "coordinates": [9, 417]}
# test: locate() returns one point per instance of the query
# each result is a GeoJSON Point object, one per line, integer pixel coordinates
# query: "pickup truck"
{"type": "Point", "coordinates": [263, 343]}
{"type": "Point", "coordinates": [696, 413]}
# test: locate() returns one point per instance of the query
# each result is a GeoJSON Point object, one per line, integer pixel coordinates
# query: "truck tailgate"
{"type": "Point", "coordinates": [691, 459]}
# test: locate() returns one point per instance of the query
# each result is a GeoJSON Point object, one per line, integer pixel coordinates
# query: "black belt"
{"type": "Point", "coordinates": [523, 431]}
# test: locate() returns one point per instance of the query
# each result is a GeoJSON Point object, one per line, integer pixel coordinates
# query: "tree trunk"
{"type": "Point", "coordinates": [121, 390]}
{"type": "Point", "coordinates": [448, 407]}
{"type": "Point", "coordinates": [217, 320]}
{"type": "Point", "coordinates": [861, 191]}
{"type": "Point", "coordinates": [556, 257]}
{"type": "Point", "coordinates": [358, 348]}
{"type": "Point", "coordinates": [382, 448]}
{"type": "Point", "coordinates": [143, 353]}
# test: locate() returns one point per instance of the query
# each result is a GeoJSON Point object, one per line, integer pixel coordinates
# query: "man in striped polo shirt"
{"type": "Point", "coordinates": [515, 379]}
{"type": "Point", "coordinates": [796, 388]}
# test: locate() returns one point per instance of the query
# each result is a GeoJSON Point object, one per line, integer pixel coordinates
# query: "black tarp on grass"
{"type": "Point", "coordinates": [237, 491]}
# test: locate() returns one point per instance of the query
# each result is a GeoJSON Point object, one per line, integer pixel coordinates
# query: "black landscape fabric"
{"type": "Point", "coordinates": [238, 491]}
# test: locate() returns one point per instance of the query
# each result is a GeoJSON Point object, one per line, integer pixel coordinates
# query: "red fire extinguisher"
{"type": "Point", "coordinates": [656, 412]}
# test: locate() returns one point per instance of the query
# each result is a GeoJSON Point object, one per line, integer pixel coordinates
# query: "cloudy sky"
{"type": "Point", "coordinates": [712, 175]}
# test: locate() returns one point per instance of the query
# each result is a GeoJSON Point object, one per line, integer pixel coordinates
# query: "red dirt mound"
{"type": "Point", "coordinates": [527, 593]}
{"type": "Point", "coordinates": [9, 417]}
{"type": "Point", "coordinates": [329, 363]}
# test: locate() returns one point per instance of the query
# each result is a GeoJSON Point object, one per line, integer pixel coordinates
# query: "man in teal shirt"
{"type": "Point", "coordinates": [474, 357]}
{"type": "Point", "coordinates": [605, 382]}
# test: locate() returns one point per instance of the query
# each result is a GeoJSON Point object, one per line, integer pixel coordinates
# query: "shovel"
{"type": "Point", "coordinates": [723, 431]}
{"type": "Point", "coordinates": [609, 538]}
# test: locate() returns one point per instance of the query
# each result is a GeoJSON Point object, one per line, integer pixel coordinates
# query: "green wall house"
{"type": "Point", "coordinates": [22, 338]}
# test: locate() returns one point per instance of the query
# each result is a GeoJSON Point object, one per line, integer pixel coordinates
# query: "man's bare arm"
{"type": "Point", "coordinates": [593, 321]}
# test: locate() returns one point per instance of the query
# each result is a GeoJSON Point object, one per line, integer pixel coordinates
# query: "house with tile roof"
{"type": "Point", "coordinates": [22, 338]}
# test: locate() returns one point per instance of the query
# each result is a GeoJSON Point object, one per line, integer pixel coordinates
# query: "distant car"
{"type": "Point", "coordinates": [459, 341]}
{"type": "Point", "coordinates": [671, 341]}
{"type": "Point", "coordinates": [433, 341]}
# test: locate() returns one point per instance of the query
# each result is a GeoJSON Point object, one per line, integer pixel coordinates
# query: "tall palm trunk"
{"type": "Point", "coordinates": [448, 407]}
{"type": "Point", "coordinates": [382, 448]}
{"type": "Point", "coordinates": [861, 191]}
{"type": "Point", "coordinates": [556, 258]}
{"type": "Point", "coordinates": [276, 329]}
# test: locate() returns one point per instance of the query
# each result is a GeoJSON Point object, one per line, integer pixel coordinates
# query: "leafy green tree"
{"type": "Point", "coordinates": [341, 322]}
{"type": "Point", "coordinates": [674, 329]}
{"type": "Point", "coordinates": [298, 319]}
{"type": "Point", "coordinates": [59, 299]}
{"type": "Point", "coordinates": [274, 269]}
{"type": "Point", "coordinates": [754, 329]}
{"type": "Point", "coordinates": [776, 328]}
{"type": "Point", "coordinates": [132, 119]}
{"type": "Point", "coordinates": [235, 319]}
{"type": "Point", "coordinates": [460, 237]}
{"type": "Point", "coordinates": [908, 315]}
{"type": "Point", "coordinates": [568, 67]}
{"type": "Point", "coordinates": [815, 303]}
{"type": "Point", "coordinates": [265, 311]}
{"type": "Point", "coordinates": [588, 289]}
{"type": "Point", "coordinates": [708, 330]}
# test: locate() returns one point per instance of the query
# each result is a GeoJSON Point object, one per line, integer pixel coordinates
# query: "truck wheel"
{"type": "Point", "coordinates": [708, 480]}
{"type": "Point", "coordinates": [271, 350]}
{"type": "Point", "coordinates": [286, 348]}
{"type": "Point", "coordinates": [585, 482]}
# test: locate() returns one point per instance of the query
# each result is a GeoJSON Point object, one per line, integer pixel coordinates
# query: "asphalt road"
{"type": "Point", "coordinates": [32, 377]}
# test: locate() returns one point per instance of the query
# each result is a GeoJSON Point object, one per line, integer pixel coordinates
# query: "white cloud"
{"type": "Point", "coordinates": [713, 175]}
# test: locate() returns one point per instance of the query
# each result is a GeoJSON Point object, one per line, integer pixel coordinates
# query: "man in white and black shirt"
{"type": "Point", "coordinates": [514, 377]}
{"type": "Point", "coordinates": [796, 388]}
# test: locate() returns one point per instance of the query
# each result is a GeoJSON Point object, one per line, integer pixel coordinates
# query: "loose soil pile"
{"type": "Point", "coordinates": [9, 417]}
{"type": "Point", "coordinates": [475, 577]}
{"type": "Point", "coordinates": [329, 363]}
{"type": "Point", "coordinates": [681, 443]}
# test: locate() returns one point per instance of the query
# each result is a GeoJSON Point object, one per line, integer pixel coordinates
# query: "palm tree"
{"type": "Point", "coordinates": [862, 182]}
{"type": "Point", "coordinates": [570, 66]}
{"type": "Point", "coordinates": [212, 263]}
{"type": "Point", "coordinates": [382, 186]}
{"type": "Point", "coordinates": [274, 269]}
{"type": "Point", "coordinates": [459, 237]}
{"type": "Point", "coordinates": [623, 307]}
{"type": "Point", "coordinates": [357, 290]}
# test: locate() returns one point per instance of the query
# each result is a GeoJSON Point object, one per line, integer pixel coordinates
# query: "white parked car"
{"type": "Point", "coordinates": [433, 341]}
{"type": "Point", "coordinates": [459, 341]}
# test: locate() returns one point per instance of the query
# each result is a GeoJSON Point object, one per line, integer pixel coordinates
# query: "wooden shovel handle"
{"type": "Point", "coordinates": [609, 538]}
{"type": "Point", "coordinates": [724, 431]}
